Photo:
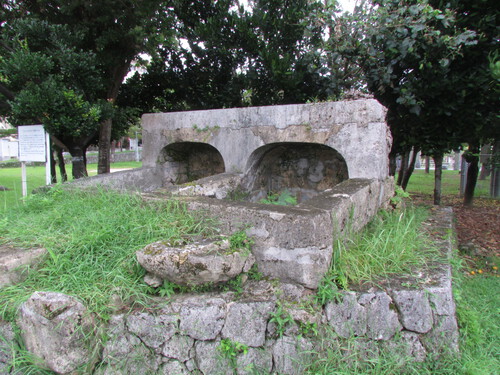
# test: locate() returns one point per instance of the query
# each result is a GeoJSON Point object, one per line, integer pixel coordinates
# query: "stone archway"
{"type": "Point", "coordinates": [189, 161]}
{"type": "Point", "coordinates": [304, 169]}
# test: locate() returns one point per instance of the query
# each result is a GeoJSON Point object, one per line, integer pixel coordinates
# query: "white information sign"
{"type": "Point", "coordinates": [32, 143]}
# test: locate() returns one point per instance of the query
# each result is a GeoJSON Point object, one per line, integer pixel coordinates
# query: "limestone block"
{"type": "Point", "coordinates": [124, 353]}
{"type": "Point", "coordinates": [381, 320]}
{"type": "Point", "coordinates": [255, 361]}
{"type": "Point", "coordinates": [152, 330]}
{"type": "Point", "coordinates": [444, 336]}
{"type": "Point", "coordinates": [407, 347]}
{"type": "Point", "coordinates": [305, 266]}
{"type": "Point", "coordinates": [347, 318]}
{"type": "Point", "coordinates": [178, 347]}
{"type": "Point", "coordinates": [210, 360]}
{"type": "Point", "coordinates": [6, 346]}
{"type": "Point", "coordinates": [15, 262]}
{"type": "Point", "coordinates": [217, 186]}
{"type": "Point", "coordinates": [414, 309]}
{"type": "Point", "coordinates": [58, 329]}
{"type": "Point", "coordinates": [202, 317]}
{"type": "Point", "coordinates": [246, 322]}
{"type": "Point", "coordinates": [441, 300]}
{"type": "Point", "coordinates": [174, 368]}
{"type": "Point", "coordinates": [290, 355]}
{"type": "Point", "coordinates": [195, 264]}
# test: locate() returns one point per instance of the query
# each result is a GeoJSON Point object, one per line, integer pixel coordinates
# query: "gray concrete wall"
{"type": "Point", "coordinates": [356, 129]}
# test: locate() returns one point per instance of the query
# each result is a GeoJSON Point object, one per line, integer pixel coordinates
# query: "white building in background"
{"type": "Point", "coordinates": [9, 146]}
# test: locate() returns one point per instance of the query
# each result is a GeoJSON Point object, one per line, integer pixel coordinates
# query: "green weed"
{"type": "Point", "coordinates": [239, 241]}
{"type": "Point", "coordinates": [285, 198]}
{"type": "Point", "coordinates": [281, 318]}
{"type": "Point", "coordinates": [231, 349]}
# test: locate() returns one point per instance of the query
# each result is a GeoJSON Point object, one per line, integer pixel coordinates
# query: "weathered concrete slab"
{"type": "Point", "coordinates": [294, 243]}
{"type": "Point", "coordinates": [356, 129]}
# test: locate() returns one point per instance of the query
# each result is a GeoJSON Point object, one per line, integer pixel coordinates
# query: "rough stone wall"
{"type": "Point", "coordinates": [277, 326]}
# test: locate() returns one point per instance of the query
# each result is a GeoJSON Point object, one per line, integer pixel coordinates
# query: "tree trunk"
{"type": "Point", "coordinates": [53, 173]}
{"type": "Point", "coordinates": [118, 73]}
{"type": "Point", "coordinates": [403, 167]}
{"type": "Point", "coordinates": [427, 164]}
{"type": "Point", "coordinates": [104, 147]}
{"type": "Point", "coordinates": [78, 162]}
{"type": "Point", "coordinates": [392, 162]}
{"type": "Point", "coordinates": [472, 173]}
{"type": "Point", "coordinates": [410, 169]}
{"type": "Point", "coordinates": [438, 172]}
{"type": "Point", "coordinates": [485, 159]}
{"type": "Point", "coordinates": [62, 165]}
{"type": "Point", "coordinates": [456, 161]}
{"type": "Point", "coordinates": [495, 171]}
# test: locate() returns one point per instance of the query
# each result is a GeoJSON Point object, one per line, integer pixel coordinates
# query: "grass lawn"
{"type": "Point", "coordinates": [11, 179]}
{"type": "Point", "coordinates": [423, 183]}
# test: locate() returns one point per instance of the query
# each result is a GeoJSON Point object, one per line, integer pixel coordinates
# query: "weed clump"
{"type": "Point", "coordinates": [392, 243]}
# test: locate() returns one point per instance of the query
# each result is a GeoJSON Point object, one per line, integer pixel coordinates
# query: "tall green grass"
{"type": "Point", "coordinates": [91, 237]}
{"type": "Point", "coordinates": [392, 243]}
{"type": "Point", "coordinates": [11, 179]}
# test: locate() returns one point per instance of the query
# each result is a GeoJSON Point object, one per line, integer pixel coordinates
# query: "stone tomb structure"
{"type": "Point", "coordinates": [334, 158]}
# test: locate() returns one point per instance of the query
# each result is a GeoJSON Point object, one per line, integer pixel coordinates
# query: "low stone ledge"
{"type": "Point", "coordinates": [294, 243]}
{"type": "Point", "coordinates": [197, 263]}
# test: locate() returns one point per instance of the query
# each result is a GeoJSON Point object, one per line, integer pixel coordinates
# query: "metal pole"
{"type": "Point", "coordinates": [23, 179]}
{"type": "Point", "coordinates": [136, 147]}
{"type": "Point", "coordinates": [48, 177]}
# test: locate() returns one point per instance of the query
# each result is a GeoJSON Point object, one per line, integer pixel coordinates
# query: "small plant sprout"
{"type": "Point", "coordinates": [231, 349]}
{"type": "Point", "coordinates": [240, 241]}
{"type": "Point", "coordinates": [285, 198]}
{"type": "Point", "coordinates": [281, 318]}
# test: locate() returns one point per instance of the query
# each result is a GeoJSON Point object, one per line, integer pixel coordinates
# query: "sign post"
{"type": "Point", "coordinates": [33, 146]}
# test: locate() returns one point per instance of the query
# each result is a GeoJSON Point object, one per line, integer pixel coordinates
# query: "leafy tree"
{"type": "Point", "coordinates": [113, 32]}
{"type": "Point", "coordinates": [48, 81]}
{"type": "Point", "coordinates": [200, 70]}
{"type": "Point", "coordinates": [286, 63]}
{"type": "Point", "coordinates": [227, 56]}
{"type": "Point", "coordinates": [413, 56]}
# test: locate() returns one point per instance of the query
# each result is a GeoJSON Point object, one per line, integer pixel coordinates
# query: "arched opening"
{"type": "Point", "coordinates": [304, 169]}
{"type": "Point", "coordinates": [189, 161]}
